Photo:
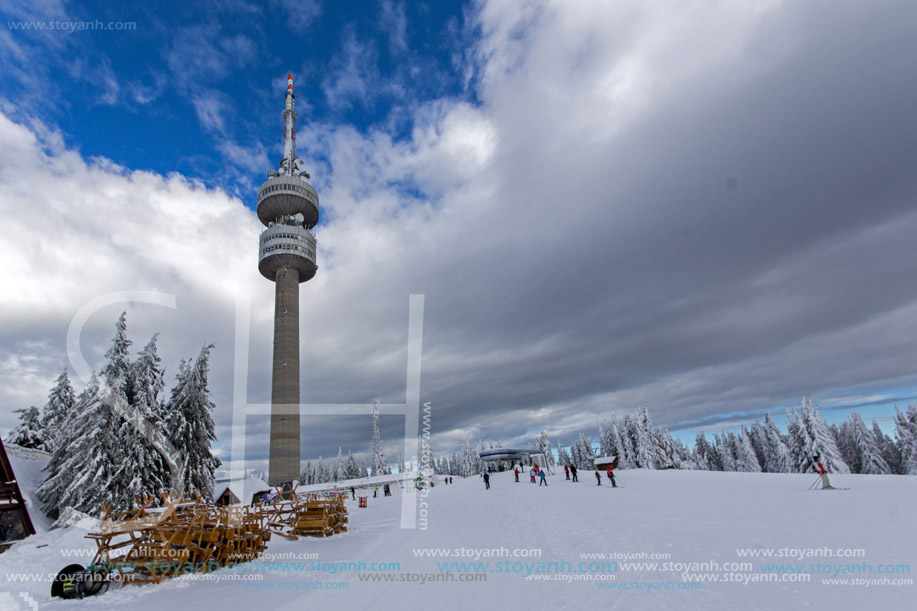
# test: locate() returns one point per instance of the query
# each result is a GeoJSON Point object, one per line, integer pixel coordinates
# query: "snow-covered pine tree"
{"type": "Point", "coordinates": [906, 430]}
{"type": "Point", "coordinates": [339, 471]}
{"type": "Point", "coordinates": [28, 433]}
{"type": "Point", "coordinates": [846, 445]}
{"type": "Point", "coordinates": [307, 475]}
{"type": "Point", "coordinates": [117, 370]}
{"type": "Point", "coordinates": [624, 447]}
{"type": "Point", "coordinates": [351, 468]}
{"type": "Point", "coordinates": [471, 460]}
{"type": "Point", "coordinates": [401, 467]}
{"type": "Point", "coordinates": [60, 402]}
{"type": "Point", "coordinates": [890, 451]}
{"type": "Point", "coordinates": [746, 460]}
{"type": "Point", "coordinates": [777, 457]}
{"type": "Point", "coordinates": [190, 427]}
{"type": "Point", "coordinates": [702, 451]}
{"type": "Point", "coordinates": [797, 442]}
{"type": "Point", "coordinates": [148, 382]}
{"type": "Point", "coordinates": [646, 450]}
{"type": "Point", "coordinates": [870, 459]}
{"type": "Point", "coordinates": [148, 470]}
{"type": "Point", "coordinates": [821, 439]}
{"type": "Point", "coordinates": [562, 457]}
{"type": "Point", "coordinates": [543, 443]}
{"type": "Point", "coordinates": [725, 451]}
{"type": "Point", "coordinates": [379, 466]}
{"type": "Point", "coordinates": [758, 437]}
{"type": "Point", "coordinates": [670, 451]}
{"type": "Point", "coordinates": [82, 466]}
{"type": "Point", "coordinates": [582, 453]}
{"type": "Point", "coordinates": [606, 438]}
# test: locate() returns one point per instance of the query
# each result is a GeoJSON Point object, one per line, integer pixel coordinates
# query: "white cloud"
{"type": "Point", "coordinates": [680, 207]}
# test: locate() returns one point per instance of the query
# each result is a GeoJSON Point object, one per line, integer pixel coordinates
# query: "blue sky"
{"type": "Point", "coordinates": [214, 73]}
{"type": "Point", "coordinates": [704, 208]}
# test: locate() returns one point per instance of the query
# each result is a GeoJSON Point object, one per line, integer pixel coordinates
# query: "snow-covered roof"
{"type": "Point", "coordinates": [242, 487]}
{"type": "Point", "coordinates": [507, 453]}
{"type": "Point", "coordinates": [598, 461]}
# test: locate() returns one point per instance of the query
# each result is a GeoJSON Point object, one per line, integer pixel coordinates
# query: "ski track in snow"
{"type": "Point", "coordinates": [694, 516]}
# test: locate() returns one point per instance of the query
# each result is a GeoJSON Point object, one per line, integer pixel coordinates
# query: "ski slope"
{"type": "Point", "coordinates": [698, 519]}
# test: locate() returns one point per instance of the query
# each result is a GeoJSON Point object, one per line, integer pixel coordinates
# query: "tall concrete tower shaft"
{"type": "Point", "coordinates": [288, 208]}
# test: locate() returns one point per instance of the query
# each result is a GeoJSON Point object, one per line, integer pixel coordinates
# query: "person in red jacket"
{"type": "Point", "coordinates": [820, 469]}
{"type": "Point", "coordinates": [516, 471]}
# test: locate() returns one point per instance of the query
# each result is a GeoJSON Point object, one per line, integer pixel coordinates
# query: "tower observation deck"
{"type": "Point", "coordinates": [288, 208]}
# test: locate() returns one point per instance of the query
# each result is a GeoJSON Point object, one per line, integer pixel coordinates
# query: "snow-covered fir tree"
{"type": "Point", "coordinates": [758, 437]}
{"type": "Point", "coordinates": [843, 433]}
{"type": "Point", "coordinates": [776, 453]}
{"type": "Point", "coordinates": [83, 465]}
{"type": "Point", "coordinates": [607, 438]}
{"type": "Point", "coordinates": [890, 451]}
{"type": "Point", "coordinates": [60, 402]}
{"type": "Point", "coordinates": [471, 460]}
{"type": "Point", "coordinates": [725, 451]}
{"type": "Point", "coordinates": [29, 433]}
{"type": "Point", "coordinates": [148, 382]}
{"type": "Point", "coordinates": [646, 451]}
{"type": "Point", "coordinates": [704, 454]}
{"type": "Point", "coordinates": [146, 467]}
{"type": "Point", "coordinates": [379, 466]}
{"type": "Point", "coordinates": [116, 372]}
{"type": "Point", "coordinates": [351, 468]}
{"type": "Point", "coordinates": [190, 427]}
{"type": "Point", "coordinates": [543, 443]}
{"type": "Point", "coordinates": [581, 452]}
{"type": "Point", "coordinates": [869, 454]}
{"type": "Point", "coordinates": [624, 447]}
{"type": "Point", "coordinates": [401, 467]}
{"type": "Point", "coordinates": [563, 458]}
{"type": "Point", "coordinates": [819, 441]}
{"type": "Point", "coordinates": [906, 429]}
{"type": "Point", "coordinates": [746, 460]}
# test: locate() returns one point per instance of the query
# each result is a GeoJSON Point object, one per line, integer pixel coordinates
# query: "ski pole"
{"type": "Point", "coordinates": [815, 482]}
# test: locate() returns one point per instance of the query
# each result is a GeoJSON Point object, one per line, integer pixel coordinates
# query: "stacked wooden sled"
{"type": "Point", "coordinates": [145, 545]}
{"type": "Point", "coordinates": [308, 515]}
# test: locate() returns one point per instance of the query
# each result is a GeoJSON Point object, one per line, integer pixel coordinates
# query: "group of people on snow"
{"type": "Point", "coordinates": [540, 475]}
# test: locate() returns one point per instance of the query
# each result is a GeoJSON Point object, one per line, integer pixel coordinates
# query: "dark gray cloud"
{"type": "Point", "coordinates": [705, 211]}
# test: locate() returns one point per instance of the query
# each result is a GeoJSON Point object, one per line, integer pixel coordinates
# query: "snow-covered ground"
{"type": "Point", "coordinates": [698, 519]}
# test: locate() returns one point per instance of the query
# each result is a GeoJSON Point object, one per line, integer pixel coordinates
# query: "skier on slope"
{"type": "Point", "coordinates": [820, 469]}
{"type": "Point", "coordinates": [543, 481]}
{"type": "Point", "coordinates": [516, 472]}
{"type": "Point", "coordinates": [598, 478]}
{"type": "Point", "coordinates": [611, 472]}
{"type": "Point", "coordinates": [487, 480]}
{"type": "Point", "coordinates": [567, 471]}
{"type": "Point", "coordinates": [573, 472]}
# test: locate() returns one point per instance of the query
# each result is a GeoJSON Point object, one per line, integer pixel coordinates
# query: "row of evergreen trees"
{"type": "Point", "coordinates": [109, 443]}
{"type": "Point", "coordinates": [347, 468]}
{"type": "Point", "coordinates": [850, 447]}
